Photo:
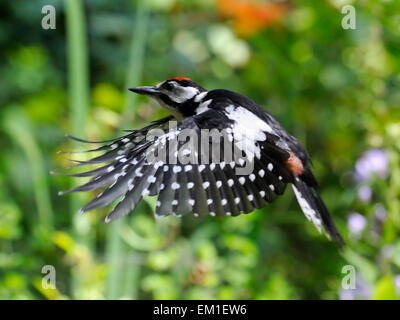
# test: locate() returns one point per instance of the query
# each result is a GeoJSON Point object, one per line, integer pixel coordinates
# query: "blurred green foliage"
{"type": "Point", "coordinates": [336, 90]}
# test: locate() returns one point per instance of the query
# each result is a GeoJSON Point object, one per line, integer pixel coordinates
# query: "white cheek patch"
{"type": "Point", "coordinates": [247, 130]}
{"type": "Point", "coordinates": [182, 94]}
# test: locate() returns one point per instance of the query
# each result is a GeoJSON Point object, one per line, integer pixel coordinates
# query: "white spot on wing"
{"type": "Point", "coordinates": [175, 186]}
{"type": "Point", "coordinates": [138, 173]}
{"type": "Point", "coordinates": [151, 179]}
{"type": "Point", "coordinates": [177, 169]}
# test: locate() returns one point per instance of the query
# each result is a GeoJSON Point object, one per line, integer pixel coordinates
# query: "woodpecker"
{"type": "Point", "coordinates": [205, 187]}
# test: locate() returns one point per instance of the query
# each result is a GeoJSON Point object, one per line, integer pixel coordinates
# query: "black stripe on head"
{"type": "Point", "coordinates": [186, 108]}
{"type": "Point", "coordinates": [184, 82]}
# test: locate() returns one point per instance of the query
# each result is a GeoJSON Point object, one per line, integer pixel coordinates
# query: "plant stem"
{"type": "Point", "coordinates": [78, 79]}
{"type": "Point", "coordinates": [115, 246]}
{"type": "Point", "coordinates": [17, 125]}
{"type": "Point", "coordinates": [136, 56]}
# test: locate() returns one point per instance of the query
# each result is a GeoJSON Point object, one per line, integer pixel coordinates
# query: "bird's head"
{"type": "Point", "coordinates": [178, 95]}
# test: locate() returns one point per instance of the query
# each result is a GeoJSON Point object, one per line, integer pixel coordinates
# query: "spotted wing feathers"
{"type": "Point", "coordinates": [202, 188]}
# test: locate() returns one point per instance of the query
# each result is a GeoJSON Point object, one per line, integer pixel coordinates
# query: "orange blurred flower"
{"type": "Point", "coordinates": [251, 16]}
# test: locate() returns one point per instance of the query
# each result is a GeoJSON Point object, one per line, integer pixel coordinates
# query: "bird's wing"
{"type": "Point", "coordinates": [189, 181]}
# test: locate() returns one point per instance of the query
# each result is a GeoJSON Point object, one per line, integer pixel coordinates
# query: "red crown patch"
{"type": "Point", "coordinates": [179, 78]}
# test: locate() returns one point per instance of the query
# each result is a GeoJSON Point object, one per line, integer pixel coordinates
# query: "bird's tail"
{"type": "Point", "coordinates": [315, 210]}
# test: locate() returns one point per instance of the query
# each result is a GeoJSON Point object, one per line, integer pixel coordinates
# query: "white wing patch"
{"type": "Point", "coordinates": [203, 106]}
{"type": "Point", "coordinates": [200, 96]}
{"type": "Point", "coordinates": [247, 130]}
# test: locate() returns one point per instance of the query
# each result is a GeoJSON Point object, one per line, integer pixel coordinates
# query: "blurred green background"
{"type": "Point", "coordinates": [336, 90]}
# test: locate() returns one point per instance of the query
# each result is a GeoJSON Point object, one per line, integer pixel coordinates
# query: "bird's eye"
{"type": "Point", "coordinates": [168, 86]}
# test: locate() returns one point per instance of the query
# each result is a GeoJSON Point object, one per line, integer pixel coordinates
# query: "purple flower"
{"type": "Point", "coordinates": [387, 252]}
{"type": "Point", "coordinates": [380, 213]}
{"type": "Point", "coordinates": [373, 162]}
{"type": "Point", "coordinates": [356, 223]}
{"type": "Point", "coordinates": [364, 193]}
{"type": "Point", "coordinates": [397, 284]}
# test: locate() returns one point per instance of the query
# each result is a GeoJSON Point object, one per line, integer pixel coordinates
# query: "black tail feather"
{"type": "Point", "coordinates": [315, 210]}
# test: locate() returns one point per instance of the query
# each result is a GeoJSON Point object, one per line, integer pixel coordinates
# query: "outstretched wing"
{"type": "Point", "coordinates": [196, 176]}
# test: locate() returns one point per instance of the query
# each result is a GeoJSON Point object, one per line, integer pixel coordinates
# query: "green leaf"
{"type": "Point", "coordinates": [384, 289]}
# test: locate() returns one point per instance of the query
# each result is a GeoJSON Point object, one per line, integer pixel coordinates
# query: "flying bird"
{"type": "Point", "coordinates": [208, 184]}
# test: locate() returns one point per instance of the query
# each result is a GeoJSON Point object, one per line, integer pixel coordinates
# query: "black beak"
{"type": "Point", "coordinates": [148, 90]}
